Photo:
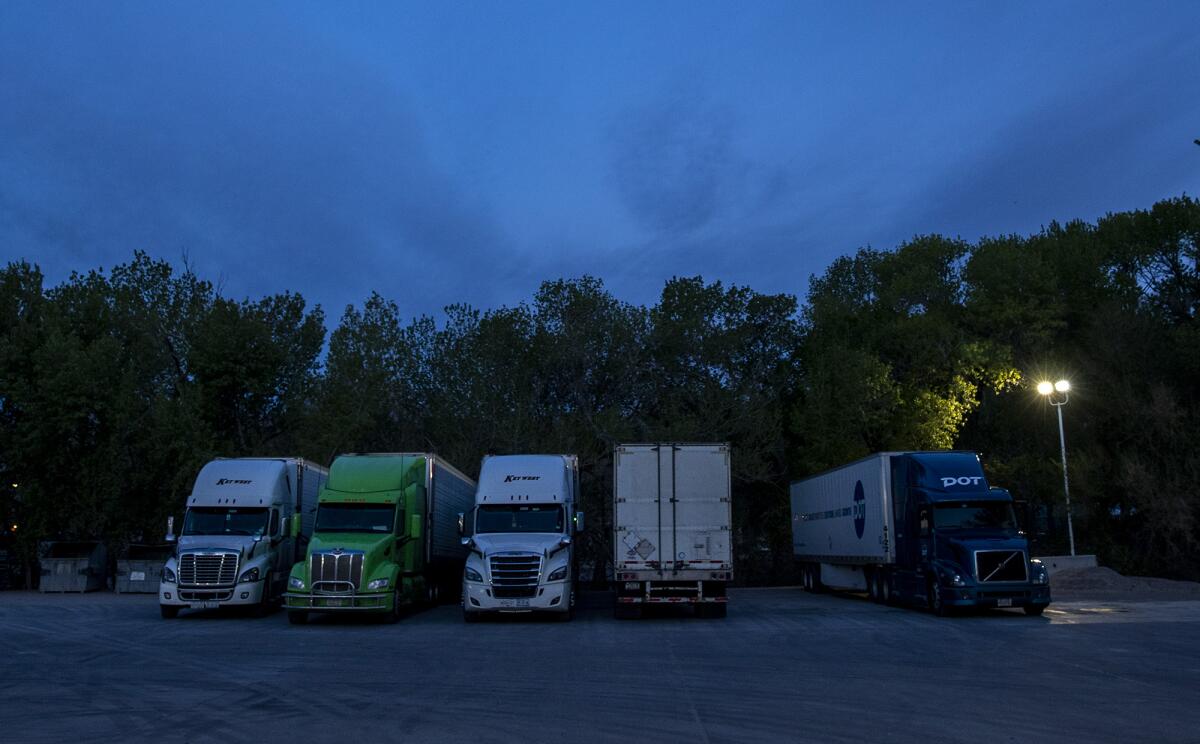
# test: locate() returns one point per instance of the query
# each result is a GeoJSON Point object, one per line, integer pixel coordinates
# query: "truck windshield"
{"type": "Point", "coordinates": [968, 515]}
{"type": "Point", "coordinates": [355, 517]}
{"type": "Point", "coordinates": [519, 518]}
{"type": "Point", "coordinates": [207, 520]}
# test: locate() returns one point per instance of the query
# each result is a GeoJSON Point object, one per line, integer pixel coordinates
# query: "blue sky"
{"type": "Point", "coordinates": [446, 153]}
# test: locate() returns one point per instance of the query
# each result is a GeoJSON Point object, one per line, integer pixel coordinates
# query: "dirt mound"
{"type": "Point", "coordinates": [1108, 584]}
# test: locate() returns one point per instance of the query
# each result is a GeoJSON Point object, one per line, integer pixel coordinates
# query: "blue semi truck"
{"type": "Point", "coordinates": [915, 528]}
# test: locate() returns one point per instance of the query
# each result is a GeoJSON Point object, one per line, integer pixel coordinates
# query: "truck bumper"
{"type": "Point", "coordinates": [239, 595]}
{"type": "Point", "coordinates": [372, 602]}
{"type": "Point", "coordinates": [552, 597]}
{"type": "Point", "coordinates": [1008, 597]}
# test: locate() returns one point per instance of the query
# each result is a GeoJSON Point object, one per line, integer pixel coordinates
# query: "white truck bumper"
{"type": "Point", "coordinates": [246, 593]}
{"type": "Point", "coordinates": [550, 597]}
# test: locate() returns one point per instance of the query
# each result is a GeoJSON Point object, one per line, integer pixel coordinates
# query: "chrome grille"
{"type": "Point", "coordinates": [336, 572]}
{"type": "Point", "coordinates": [1001, 565]}
{"type": "Point", "coordinates": [515, 574]}
{"type": "Point", "coordinates": [208, 569]}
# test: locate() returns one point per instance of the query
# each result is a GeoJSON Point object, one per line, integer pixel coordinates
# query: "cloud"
{"type": "Point", "coordinates": [673, 160]}
{"type": "Point", "coordinates": [272, 160]}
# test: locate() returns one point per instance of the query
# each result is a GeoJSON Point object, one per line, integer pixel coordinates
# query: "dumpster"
{"type": "Point", "coordinates": [74, 567]}
{"type": "Point", "coordinates": [141, 568]}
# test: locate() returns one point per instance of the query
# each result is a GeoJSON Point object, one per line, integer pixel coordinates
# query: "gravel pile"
{"type": "Point", "coordinates": [1105, 583]}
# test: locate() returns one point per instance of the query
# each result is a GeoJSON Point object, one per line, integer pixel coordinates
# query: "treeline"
{"type": "Point", "coordinates": [116, 387]}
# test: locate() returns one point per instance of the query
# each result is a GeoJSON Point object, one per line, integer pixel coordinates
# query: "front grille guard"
{"type": "Point", "coordinates": [356, 602]}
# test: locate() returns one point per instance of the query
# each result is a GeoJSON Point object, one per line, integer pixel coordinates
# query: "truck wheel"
{"type": "Point", "coordinates": [168, 612]}
{"type": "Point", "coordinates": [297, 617]}
{"type": "Point", "coordinates": [1035, 610]}
{"type": "Point", "coordinates": [265, 605]}
{"type": "Point", "coordinates": [937, 604]}
{"type": "Point", "coordinates": [872, 585]}
{"type": "Point", "coordinates": [393, 615]}
{"type": "Point", "coordinates": [885, 590]}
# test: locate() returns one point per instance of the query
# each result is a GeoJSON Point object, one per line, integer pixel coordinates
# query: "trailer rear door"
{"type": "Point", "coordinates": [672, 507]}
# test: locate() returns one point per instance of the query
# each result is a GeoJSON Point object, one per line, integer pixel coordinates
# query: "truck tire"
{"type": "Point", "coordinates": [393, 615]}
{"type": "Point", "coordinates": [298, 617]}
{"type": "Point", "coordinates": [937, 604]}
{"type": "Point", "coordinates": [885, 587]}
{"type": "Point", "coordinates": [1035, 610]}
{"type": "Point", "coordinates": [872, 581]}
{"type": "Point", "coordinates": [168, 612]}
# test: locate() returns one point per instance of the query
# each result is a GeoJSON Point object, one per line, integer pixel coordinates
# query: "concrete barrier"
{"type": "Point", "coordinates": [1055, 563]}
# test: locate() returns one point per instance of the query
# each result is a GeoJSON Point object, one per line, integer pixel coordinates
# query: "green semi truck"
{"type": "Point", "coordinates": [386, 536]}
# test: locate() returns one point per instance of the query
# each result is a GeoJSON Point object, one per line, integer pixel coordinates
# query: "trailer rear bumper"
{"type": "Point", "coordinates": [671, 592]}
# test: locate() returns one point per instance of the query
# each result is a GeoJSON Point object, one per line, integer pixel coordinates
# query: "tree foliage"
{"type": "Point", "coordinates": [115, 387]}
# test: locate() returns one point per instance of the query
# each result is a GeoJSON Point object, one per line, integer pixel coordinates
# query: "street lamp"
{"type": "Point", "coordinates": [1057, 394]}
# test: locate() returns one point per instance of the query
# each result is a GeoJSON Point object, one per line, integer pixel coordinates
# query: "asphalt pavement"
{"type": "Point", "coordinates": [784, 666]}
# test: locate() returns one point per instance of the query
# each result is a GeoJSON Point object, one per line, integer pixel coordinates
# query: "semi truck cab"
{"type": "Point", "coordinates": [521, 537]}
{"type": "Point", "coordinates": [246, 521]}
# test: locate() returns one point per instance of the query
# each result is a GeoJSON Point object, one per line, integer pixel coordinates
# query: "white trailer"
{"type": "Point", "coordinates": [842, 521]}
{"type": "Point", "coordinates": [521, 537]}
{"type": "Point", "coordinates": [672, 514]}
{"type": "Point", "coordinates": [248, 520]}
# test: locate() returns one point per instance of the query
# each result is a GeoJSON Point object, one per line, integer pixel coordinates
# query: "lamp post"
{"type": "Point", "coordinates": [1057, 394]}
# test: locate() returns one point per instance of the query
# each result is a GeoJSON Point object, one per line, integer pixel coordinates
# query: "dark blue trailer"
{"type": "Point", "coordinates": [917, 528]}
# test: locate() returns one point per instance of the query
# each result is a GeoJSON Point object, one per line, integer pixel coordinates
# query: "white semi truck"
{"type": "Point", "coordinates": [520, 534]}
{"type": "Point", "coordinates": [248, 520]}
{"type": "Point", "coordinates": [672, 517]}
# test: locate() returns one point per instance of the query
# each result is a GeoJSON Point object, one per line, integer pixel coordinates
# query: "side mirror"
{"type": "Point", "coordinates": [285, 529]}
{"type": "Point", "coordinates": [170, 530]}
{"type": "Point", "coordinates": [462, 524]}
{"type": "Point", "coordinates": [565, 540]}
{"type": "Point", "coordinates": [414, 526]}
{"type": "Point", "coordinates": [579, 521]}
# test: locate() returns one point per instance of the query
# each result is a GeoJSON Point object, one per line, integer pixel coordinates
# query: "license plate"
{"type": "Point", "coordinates": [1004, 603]}
{"type": "Point", "coordinates": [337, 603]}
{"type": "Point", "coordinates": [137, 575]}
{"type": "Point", "coordinates": [514, 603]}
{"type": "Point", "coordinates": [205, 605]}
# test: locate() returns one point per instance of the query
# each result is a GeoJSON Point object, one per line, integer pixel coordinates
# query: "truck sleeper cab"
{"type": "Point", "coordinates": [520, 536]}
{"type": "Point", "coordinates": [919, 528]}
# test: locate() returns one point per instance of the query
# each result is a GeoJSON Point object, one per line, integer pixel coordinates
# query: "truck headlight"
{"type": "Point", "coordinates": [294, 583]}
{"type": "Point", "coordinates": [168, 575]}
{"type": "Point", "coordinates": [956, 580]}
{"type": "Point", "coordinates": [473, 575]}
{"type": "Point", "coordinates": [557, 574]}
{"type": "Point", "coordinates": [251, 575]}
{"type": "Point", "coordinates": [1040, 576]}
{"type": "Point", "coordinates": [379, 584]}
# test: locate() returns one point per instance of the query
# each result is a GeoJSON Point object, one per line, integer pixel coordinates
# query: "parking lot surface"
{"type": "Point", "coordinates": [783, 666]}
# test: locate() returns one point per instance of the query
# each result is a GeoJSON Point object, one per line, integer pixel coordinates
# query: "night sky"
{"type": "Point", "coordinates": [466, 153]}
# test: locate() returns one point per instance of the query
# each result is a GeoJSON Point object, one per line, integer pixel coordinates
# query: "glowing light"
{"type": "Point", "coordinates": [1062, 386]}
{"type": "Point", "coordinates": [1045, 388]}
